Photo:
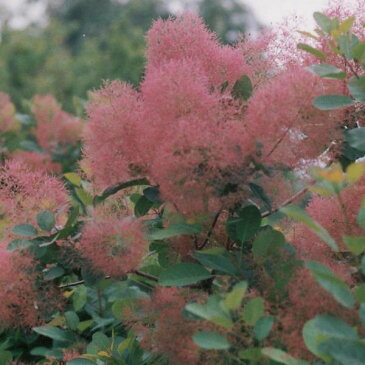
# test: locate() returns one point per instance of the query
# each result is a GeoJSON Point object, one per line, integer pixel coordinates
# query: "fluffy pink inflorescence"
{"type": "Point", "coordinates": [194, 136]}
{"type": "Point", "coordinates": [280, 116]}
{"type": "Point", "coordinates": [37, 161]}
{"type": "Point", "coordinates": [186, 37]}
{"type": "Point", "coordinates": [7, 114]}
{"type": "Point", "coordinates": [111, 137]}
{"type": "Point", "coordinates": [25, 193]}
{"type": "Point", "coordinates": [306, 299]}
{"type": "Point", "coordinates": [20, 302]}
{"type": "Point", "coordinates": [55, 128]}
{"type": "Point", "coordinates": [189, 135]}
{"type": "Point", "coordinates": [171, 333]}
{"type": "Point", "coordinates": [115, 245]}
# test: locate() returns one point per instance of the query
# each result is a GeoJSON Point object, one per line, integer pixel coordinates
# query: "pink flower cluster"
{"type": "Point", "coordinates": [36, 161]}
{"type": "Point", "coordinates": [187, 132]}
{"type": "Point", "coordinates": [281, 117]}
{"type": "Point", "coordinates": [55, 128]}
{"type": "Point", "coordinates": [163, 329]}
{"type": "Point", "coordinates": [23, 194]}
{"type": "Point", "coordinates": [115, 245]}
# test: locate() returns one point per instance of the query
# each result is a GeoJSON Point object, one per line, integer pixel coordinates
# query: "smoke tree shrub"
{"type": "Point", "coordinates": [176, 239]}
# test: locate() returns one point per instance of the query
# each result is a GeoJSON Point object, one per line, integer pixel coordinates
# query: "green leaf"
{"type": "Point", "coordinates": [213, 311]}
{"type": "Point", "coordinates": [253, 354]}
{"type": "Point", "coordinates": [259, 192]}
{"type": "Point", "coordinates": [263, 327]}
{"type": "Point", "coordinates": [327, 71]}
{"type": "Point", "coordinates": [253, 310]}
{"type": "Point", "coordinates": [73, 178]}
{"type": "Point", "coordinates": [120, 305]}
{"type": "Point", "coordinates": [281, 356]}
{"type": "Point", "coordinates": [18, 244]}
{"type": "Point", "coordinates": [346, 44]}
{"type": "Point", "coordinates": [142, 206]}
{"type": "Point", "coordinates": [245, 226]}
{"type": "Point", "coordinates": [84, 196]}
{"type": "Point", "coordinates": [102, 341]}
{"type": "Point", "coordinates": [54, 273]}
{"type": "Point", "coordinates": [183, 274]}
{"type": "Point", "coordinates": [362, 313]}
{"type": "Point", "coordinates": [175, 229]}
{"type": "Point", "coordinates": [267, 242]}
{"type": "Point", "coordinates": [72, 320]}
{"type": "Point", "coordinates": [313, 51]}
{"type": "Point", "coordinates": [216, 262]}
{"type": "Point", "coordinates": [301, 216]}
{"type": "Point", "coordinates": [323, 21]}
{"type": "Point", "coordinates": [242, 89]}
{"type": "Point", "coordinates": [344, 351]}
{"type": "Point", "coordinates": [360, 293]}
{"type": "Point", "coordinates": [356, 138]}
{"type": "Point", "coordinates": [211, 341]}
{"type": "Point", "coordinates": [5, 357]}
{"type": "Point", "coordinates": [235, 296]}
{"type": "Point", "coordinates": [330, 282]}
{"type": "Point", "coordinates": [322, 327]}
{"type": "Point", "coordinates": [85, 324]}
{"type": "Point", "coordinates": [331, 102]}
{"type": "Point", "coordinates": [24, 230]}
{"type": "Point", "coordinates": [355, 244]}
{"type": "Point", "coordinates": [362, 265]}
{"type": "Point", "coordinates": [357, 88]}
{"type": "Point", "coordinates": [30, 146]}
{"type": "Point", "coordinates": [79, 298]}
{"type": "Point", "coordinates": [53, 332]}
{"type": "Point", "coordinates": [152, 193]}
{"type": "Point", "coordinates": [45, 220]}
{"type": "Point", "coordinates": [358, 52]}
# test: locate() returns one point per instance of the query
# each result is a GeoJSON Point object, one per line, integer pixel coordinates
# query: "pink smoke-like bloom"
{"type": "Point", "coordinates": [111, 137]}
{"type": "Point", "coordinates": [187, 37]}
{"type": "Point", "coordinates": [37, 161]}
{"type": "Point", "coordinates": [22, 303]}
{"type": "Point", "coordinates": [115, 245]}
{"type": "Point", "coordinates": [280, 116]}
{"type": "Point", "coordinates": [55, 128]}
{"type": "Point", "coordinates": [187, 133]}
{"type": "Point", "coordinates": [163, 329]}
{"type": "Point", "coordinates": [25, 193]}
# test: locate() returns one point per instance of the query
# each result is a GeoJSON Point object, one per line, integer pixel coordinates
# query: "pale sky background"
{"type": "Point", "coordinates": [268, 11]}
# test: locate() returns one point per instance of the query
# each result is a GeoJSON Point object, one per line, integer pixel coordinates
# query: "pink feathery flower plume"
{"type": "Point", "coordinates": [114, 245]}
{"type": "Point", "coordinates": [55, 128]}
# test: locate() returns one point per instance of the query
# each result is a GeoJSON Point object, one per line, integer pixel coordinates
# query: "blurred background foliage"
{"type": "Point", "coordinates": [83, 42]}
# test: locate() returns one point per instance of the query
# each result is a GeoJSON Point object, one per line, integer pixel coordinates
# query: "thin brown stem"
{"type": "Point", "coordinates": [211, 230]}
{"type": "Point", "coordinates": [286, 202]}
{"type": "Point", "coordinates": [276, 145]}
{"type": "Point", "coordinates": [344, 212]}
{"type": "Point", "coordinates": [347, 63]}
